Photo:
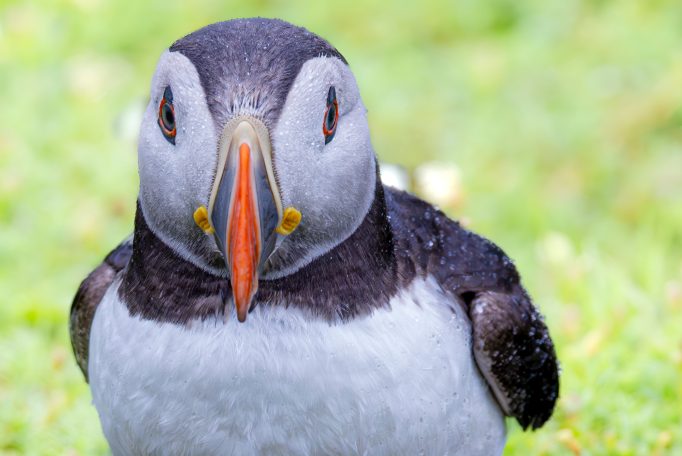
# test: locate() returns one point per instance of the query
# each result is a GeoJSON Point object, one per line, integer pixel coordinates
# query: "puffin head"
{"type": "Point", "coordinates": [254, 151]}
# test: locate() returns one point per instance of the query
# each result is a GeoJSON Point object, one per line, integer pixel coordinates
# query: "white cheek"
{"type": "Point", "coordinates": [176, 179]}
{"type": "Point", "coordinates": [341, 174]}
{"type": "Point", "coordinates": [332, 185]}
{"type": "Point", "coordinates": [309, 170]}
{"type": "Point", "coordinates": [156, 164]}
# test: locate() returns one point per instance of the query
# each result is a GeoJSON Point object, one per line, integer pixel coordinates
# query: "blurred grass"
{"type": "Point", "coordinates": [564, 117]}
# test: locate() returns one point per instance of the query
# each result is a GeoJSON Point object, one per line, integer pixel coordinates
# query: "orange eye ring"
{"type": "Point", "coordinates": [167, 116]}
{"type": "Point", "coordinates": [331, 116]}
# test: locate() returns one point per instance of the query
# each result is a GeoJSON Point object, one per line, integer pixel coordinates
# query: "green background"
{"type": "Point", "coordinates": [564, 118]}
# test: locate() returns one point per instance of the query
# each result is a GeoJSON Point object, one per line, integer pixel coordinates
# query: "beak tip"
{"type": "Point", "coordinates": [241, 314]}
{"type": "Point", "coordinates": [242, 308]}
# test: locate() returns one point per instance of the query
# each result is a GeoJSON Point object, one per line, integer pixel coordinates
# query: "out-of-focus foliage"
{"type": "Point", "coordinates": [564, 118]}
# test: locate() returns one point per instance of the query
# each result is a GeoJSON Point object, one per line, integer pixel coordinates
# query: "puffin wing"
{"type": "Point", "coordinates": [511, 343]}
{"type": "Point", "coordinates": [515, 354]}
{"type": "Point", "coordinates": [88, 297]}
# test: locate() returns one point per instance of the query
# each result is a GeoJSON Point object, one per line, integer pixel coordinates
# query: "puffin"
{"type": "Point", "coordinates": [276, 298]}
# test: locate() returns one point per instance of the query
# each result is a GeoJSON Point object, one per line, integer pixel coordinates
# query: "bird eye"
{"type": "Point", "coordinates": [167, 116]}
{"type": "Point", "coordinates": [331, 116]}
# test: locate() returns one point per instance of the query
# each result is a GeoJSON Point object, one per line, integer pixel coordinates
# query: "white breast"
{"type": "Point", "coordinates": [401, 381]}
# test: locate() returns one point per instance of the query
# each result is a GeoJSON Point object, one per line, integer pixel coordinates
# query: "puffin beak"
{"type": "Point", "coordinates": [245, 207]}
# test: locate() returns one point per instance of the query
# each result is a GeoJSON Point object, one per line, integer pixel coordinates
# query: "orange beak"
{"type": "Point", "coordinates": [244, 236]}
{"type": "Point", "coordinates": [245, 208]}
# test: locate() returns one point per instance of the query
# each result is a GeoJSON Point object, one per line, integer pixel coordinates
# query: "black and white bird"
{"type": "Point", "coordinates": [276, 297]}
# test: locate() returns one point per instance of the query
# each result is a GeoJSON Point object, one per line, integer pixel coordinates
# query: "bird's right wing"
{"type": "Point", "coordinates": [88, 297]}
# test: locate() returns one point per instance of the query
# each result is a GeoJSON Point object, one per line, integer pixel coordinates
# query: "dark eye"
{"type": "Point", "coordinates": [331, 116]}
{"type": "Point", "coordinates": [167, 116]}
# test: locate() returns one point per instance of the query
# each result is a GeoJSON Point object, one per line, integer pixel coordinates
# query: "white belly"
{"type": "Point", "coordinates": [401, 381]}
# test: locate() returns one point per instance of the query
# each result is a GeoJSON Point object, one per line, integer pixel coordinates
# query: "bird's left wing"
{"type": "Point", "coordinates": [515, 354]}
{"type": "Point", "coordinates": [511, 342]}
{"type": "Point", "coordinates": [88, 297]}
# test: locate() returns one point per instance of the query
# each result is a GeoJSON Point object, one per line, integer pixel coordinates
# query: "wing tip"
{"type": "Point", "coordinates": [539, 408]}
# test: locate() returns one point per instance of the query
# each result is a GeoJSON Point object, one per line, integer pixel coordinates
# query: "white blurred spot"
{"type": "Point", "coordinates": [556, 248]}
{"type": "Point", "coordinates": [439, 183]}
{"type": "Point", "coordinates": [127, 125]}
{"type": "Point", "coordinates": [395, 176]}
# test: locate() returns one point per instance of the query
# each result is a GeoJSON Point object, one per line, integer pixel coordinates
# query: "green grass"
{"type": "Point", "coordinates": [564, 117]}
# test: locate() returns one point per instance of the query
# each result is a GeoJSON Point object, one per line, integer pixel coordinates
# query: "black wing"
{"type": "Point", "coordinates": [88, 297]}
{"type": "Point", "coordinates": [515, 354]}
{"type": "Point", "coordinates": [511, 343]}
